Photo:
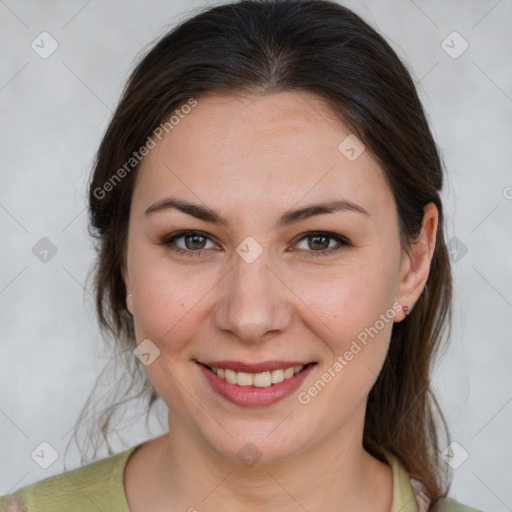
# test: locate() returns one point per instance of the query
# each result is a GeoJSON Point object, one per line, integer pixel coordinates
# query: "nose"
{"type": "Point", "coordinates": [254, 303]}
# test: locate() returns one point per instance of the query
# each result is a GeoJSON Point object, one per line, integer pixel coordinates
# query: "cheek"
{"type": "Point", "coordinates": [168, 300]}
{"type": "Point", "coordinates": [355, 307]}
{"type": "Point", "coordinates": [356, 323]}
{"type": "Point", "coordinates": [350, 298]}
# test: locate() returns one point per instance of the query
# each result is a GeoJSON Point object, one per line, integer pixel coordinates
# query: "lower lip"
{"type": "Point", "coordinates": [253, 396]}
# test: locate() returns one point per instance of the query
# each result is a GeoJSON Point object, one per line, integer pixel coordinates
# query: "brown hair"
{"type": "Point", "coordinates": [263, 46]}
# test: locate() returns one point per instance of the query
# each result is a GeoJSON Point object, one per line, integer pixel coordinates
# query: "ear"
{"type": "Point", "coordinates": [416, 260]}
{"type": "Point", "coordinates": [129, 298]}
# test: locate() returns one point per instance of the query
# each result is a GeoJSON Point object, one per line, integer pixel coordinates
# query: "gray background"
{"type": "Point", "coordinates": [54, 112]}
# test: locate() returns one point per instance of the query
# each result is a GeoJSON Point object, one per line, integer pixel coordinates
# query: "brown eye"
{"type": "Point", "coordinates": [193, 244]}
{"type": "Point", "coordinates": [323, 243]}
{"type": "Point", "coordinates": [194, 241]}
{"type": "Point", "coordinates": [319, 242]}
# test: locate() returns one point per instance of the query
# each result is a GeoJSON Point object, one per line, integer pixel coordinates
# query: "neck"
{"type": "Point", "coordinates": [336, 474]}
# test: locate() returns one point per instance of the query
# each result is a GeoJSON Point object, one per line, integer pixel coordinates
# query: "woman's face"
{"type": "Point", "coordinates": [259, 291]}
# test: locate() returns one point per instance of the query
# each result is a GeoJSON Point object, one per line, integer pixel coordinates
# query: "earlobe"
{"type": "Point", "coordinates": [416, 262]}
{"type": "Point", "coordinates": [129, 303]}
{"type": "Point", "coordinates": [129, 295]}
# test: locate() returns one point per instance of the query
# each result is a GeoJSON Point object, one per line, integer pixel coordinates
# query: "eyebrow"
{"type": "Point", "coordinates": [289, 217]}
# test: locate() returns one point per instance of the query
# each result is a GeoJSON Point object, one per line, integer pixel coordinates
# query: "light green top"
{"type": "Point", "coordinates": [99, 486]}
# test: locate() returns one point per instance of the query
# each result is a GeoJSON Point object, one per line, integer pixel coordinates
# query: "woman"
{"type": "Point", "coordinates": [270, 247]}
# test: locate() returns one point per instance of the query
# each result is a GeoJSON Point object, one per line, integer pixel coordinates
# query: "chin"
{"type": "Point", "coordinates": [256, 443]}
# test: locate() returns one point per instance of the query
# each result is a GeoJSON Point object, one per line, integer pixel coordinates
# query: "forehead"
{"type": "Point", "coordinates": [282, 147]}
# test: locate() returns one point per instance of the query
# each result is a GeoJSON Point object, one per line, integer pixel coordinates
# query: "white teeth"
{"type": "Point", "coordinates": [244, 379]}
{"type": "Point", "coordinates": [288, 373]}
{"type": "Point", "coordinates": [277, 376]}
{"type": "Point", "coordinates": [259, 380]}
{"type": "Point", "coordinates": [230, 376]}
{"type": "Point", "coordinates": [262, 380]}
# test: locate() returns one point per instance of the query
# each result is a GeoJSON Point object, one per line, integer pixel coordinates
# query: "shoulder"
{"type": "Point", "coordinates": [409, 495]}
{"type": "Point", "coordinates": [96, 486]}
{"type": "Point", "coordinates": [450, 505]}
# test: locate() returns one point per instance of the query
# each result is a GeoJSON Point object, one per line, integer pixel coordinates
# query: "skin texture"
{"type": "Point", "coordinates": [251, 158]}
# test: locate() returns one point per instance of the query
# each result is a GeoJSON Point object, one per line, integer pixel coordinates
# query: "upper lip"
{"type": "Point", "coordinates": [266, 366]}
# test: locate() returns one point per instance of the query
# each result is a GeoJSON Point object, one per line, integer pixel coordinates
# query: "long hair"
{"type": "Point", "coordinates": [264, 46]}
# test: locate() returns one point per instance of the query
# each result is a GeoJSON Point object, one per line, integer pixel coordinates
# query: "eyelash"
{"type": "Point", "coordinates": [170, 241]}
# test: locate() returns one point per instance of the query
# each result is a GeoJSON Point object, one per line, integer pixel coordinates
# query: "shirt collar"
{"type": "Point", "coordinates": [408, 494]}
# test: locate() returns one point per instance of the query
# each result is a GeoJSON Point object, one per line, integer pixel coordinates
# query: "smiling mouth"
{"type": "Point", "coordinates": [260, 380]}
